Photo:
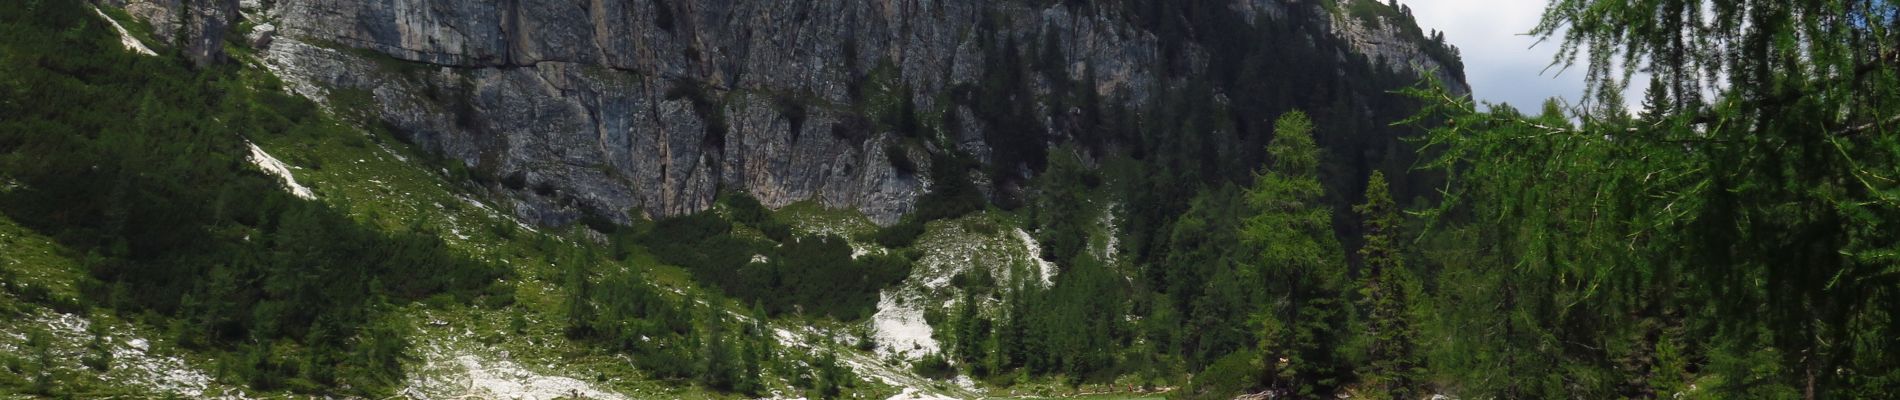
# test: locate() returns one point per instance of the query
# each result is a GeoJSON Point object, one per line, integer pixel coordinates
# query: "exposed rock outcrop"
{"type": "Point", "coordinates": [624, 109]}
{"type": "Point", "coordinates": [1398, 45]}
{"type": "Point", "coordinates": [198, 27]}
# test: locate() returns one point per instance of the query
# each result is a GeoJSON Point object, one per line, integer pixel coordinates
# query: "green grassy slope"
{"type": "Point", "coordinates": [52, 344]}
{"type": "Point", "coordinates": [507, 344]}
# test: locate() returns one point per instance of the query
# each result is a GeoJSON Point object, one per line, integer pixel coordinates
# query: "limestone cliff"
{"type": "Point", "coordinates": [1393, 38]}
{"type": "Point", "coordinates": [196, 27]}
{"type": "Point", "coordinates": [644, 108]}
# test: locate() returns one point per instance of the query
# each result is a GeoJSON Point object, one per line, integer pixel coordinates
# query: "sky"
{"type": "Point", "coordinates": [1500, 61]}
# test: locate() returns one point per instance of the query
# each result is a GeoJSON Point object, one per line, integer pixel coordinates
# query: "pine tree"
{"type": "Point", "coordinates": [98, 350]}
{"type": "Point", "coordinates": [969, 349]}
{"type": "Point", "coordinates": [763, 330]}
{"type": "Point", "coordinates": [1393, 367]}
{"type": "Point", "coordinates": [318, 364]}
{"type": "Point", "coordinates": [832, 378]}
{"type": "Point", "coordinates": [1608, 107]}
{"type": "Point", "coordinates": [42, 375]}
{"type": "Point", "coordinates": [580, 301]}
{"type": "Point", "coordinates": [1011, 341]}
{"type": "Point", "coordinates": [718, 361]}
{"type": "Point", "coordinates": [380, 351]}
{"type": "Point", "coordinates": [1656, 104]}
{"type": "Point", "coordinates": [755, 350]}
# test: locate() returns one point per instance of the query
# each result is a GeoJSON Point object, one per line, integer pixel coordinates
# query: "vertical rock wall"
{"type": "Point", "coordinates": [625, 109]}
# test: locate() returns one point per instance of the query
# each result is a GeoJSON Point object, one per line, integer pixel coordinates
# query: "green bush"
{"type": "Point", "coordinates": [933, 366]}
{"type": "Point", "coordinates": [812, 275]}
{"type": "Point", "coordinates": [1231, 375]}
{"type": "Point", "coordinates": [900, 235]}
{"type": "Point", "coordinates": [747, 210]}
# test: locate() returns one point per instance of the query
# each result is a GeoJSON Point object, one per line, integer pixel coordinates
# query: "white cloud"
{"type": "Point", "coordinates": [1503, 63]}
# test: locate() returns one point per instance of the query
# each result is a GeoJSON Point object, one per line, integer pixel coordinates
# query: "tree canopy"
{"type": "Point", "coordinates": [1748, 215]}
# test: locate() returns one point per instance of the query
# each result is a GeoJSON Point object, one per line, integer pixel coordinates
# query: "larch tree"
{"type": "Point", "coordinates": [1303, 324]}
{"type": "Point", "coordinates": [1757, 210]}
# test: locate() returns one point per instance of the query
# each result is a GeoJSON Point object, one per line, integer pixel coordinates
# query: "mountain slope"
{"type": "Point", "coordinates": [490, 138]}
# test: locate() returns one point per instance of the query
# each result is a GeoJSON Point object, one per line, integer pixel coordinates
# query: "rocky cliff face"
{"type": "Point", "coordinates": [1400, 45]}
{"type": "Point", "coordinates": [197, 27]}
{"type": "Point", "coordinates": [631, 108]}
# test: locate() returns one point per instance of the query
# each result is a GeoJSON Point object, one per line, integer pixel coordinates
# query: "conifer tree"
{"type": "Point", "coordinates": [42, 375]}
{"type": "Point", "coordinates": [380, 350]}
{"type": "Point", "coordinates": [1305, 317]}
{"type": "Point", "coordinates": [969, 344]}
{"type": "Point", "coordinates": [1011, 343]}
{"type": "Point", "coordinates": [1656, 104]}
{"type": "Point", "coordinates": [755, 350]}
{"type": "Point", "coordinates": [718, 363]}
{"type": "Point", "coordinates": [1757, 202]}
{"type": "Point", "coordinates": [98, 350]}
{"type": "Point", "coordinates": [1393, 365]}
{"type": "Point", "coordinates": [832, 378]}
{"type": "Point", "coordinates": [580, 301]}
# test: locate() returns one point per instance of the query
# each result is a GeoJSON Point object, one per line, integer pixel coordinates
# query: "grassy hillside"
{"type": "Point", "coordinates": [50, 342]}
{"type": "Point", "coordinates": [509, 337]}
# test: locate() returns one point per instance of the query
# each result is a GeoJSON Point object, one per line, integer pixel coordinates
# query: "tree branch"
{"type": "Point", "coordinates": [1886, 58]}
{"type": "Point", "coordinates": [1858, 129]}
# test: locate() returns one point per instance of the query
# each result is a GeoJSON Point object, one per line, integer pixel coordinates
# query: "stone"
{"type": "Point", "coordinates": [261, 36]}
{"type": "Point", "coordinates": [198, 27]}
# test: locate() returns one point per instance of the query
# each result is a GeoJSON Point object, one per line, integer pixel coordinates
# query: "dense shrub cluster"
{"type": "Point", "coordinates": [789, 274]}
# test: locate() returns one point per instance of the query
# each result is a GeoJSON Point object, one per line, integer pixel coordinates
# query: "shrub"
{"type": "Point", "coordinates": [1228, 376]}
{"type": "Point", "coordinates": [933, 367]}
{"type": "Point", "coordinates": [901, 235]}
